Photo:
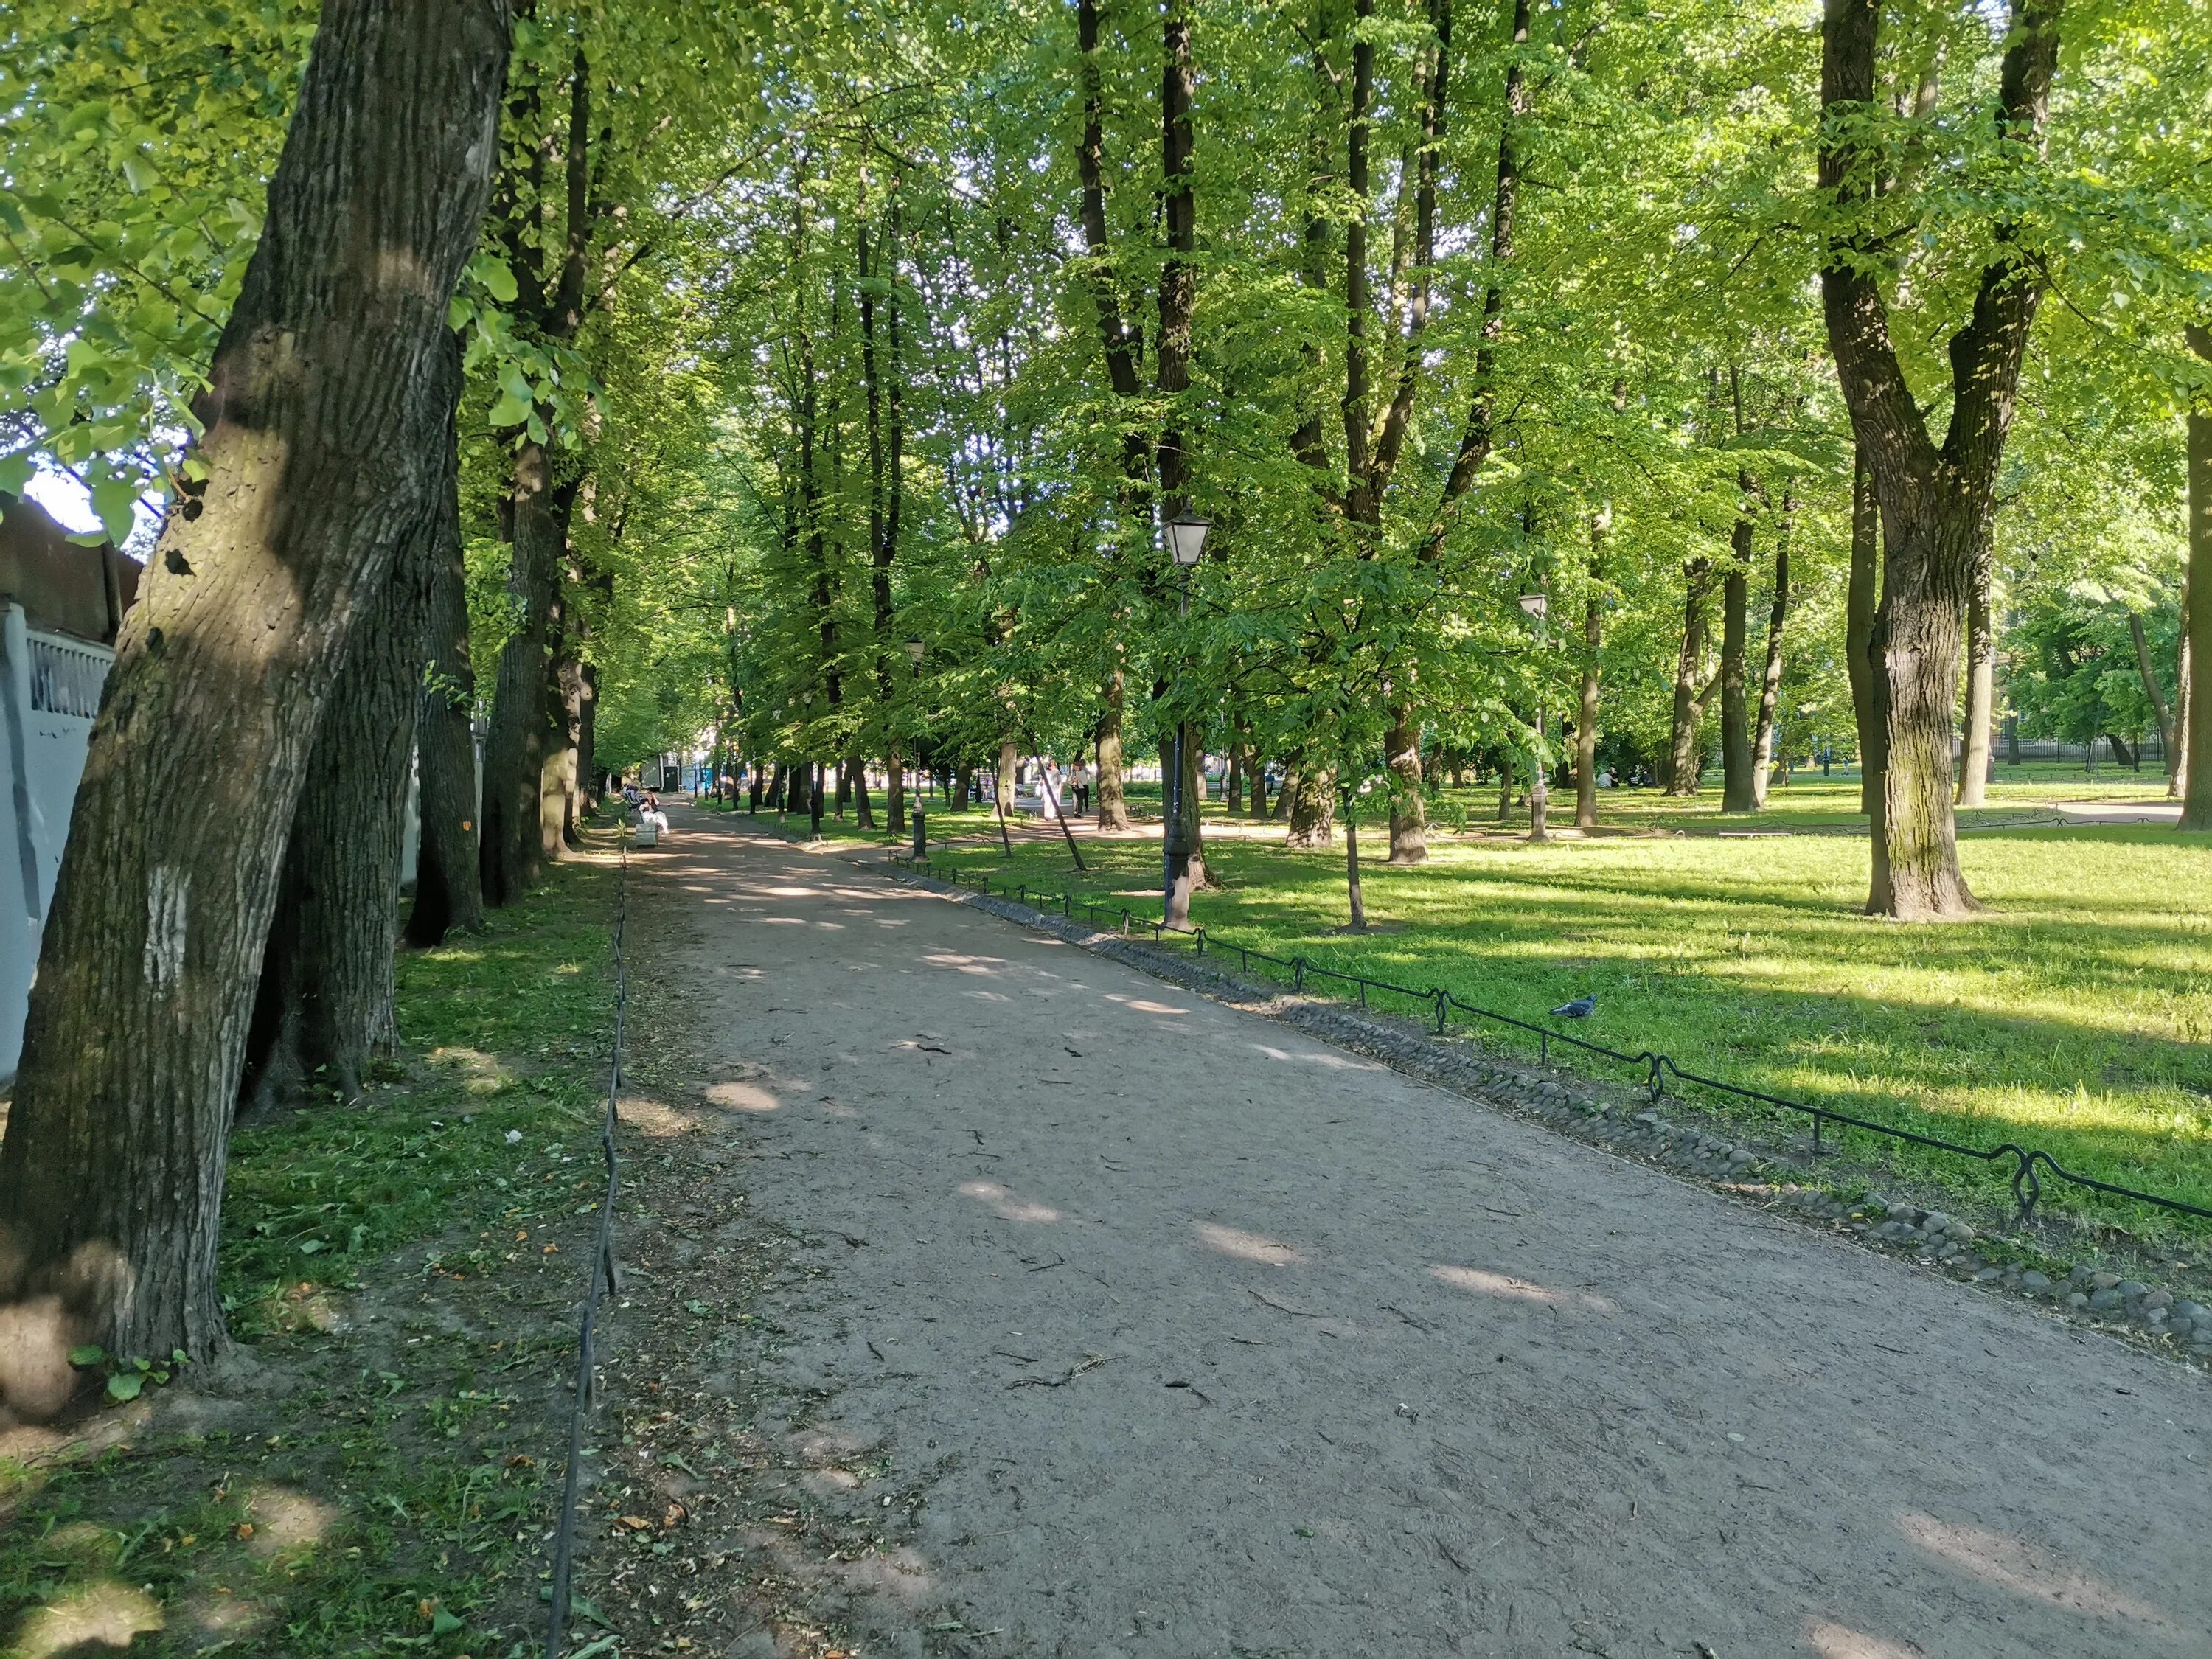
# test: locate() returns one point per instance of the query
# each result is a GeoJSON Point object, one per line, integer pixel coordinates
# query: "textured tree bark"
{"type": "Point", "coordinates": [511, 843]}
{"type": "Point", "coordinates": [1312, 795]}
{"type": "Point", "coordinates": [1685, 759]}
{"type": "Point", "coordinates": [448, 890]}
{"type": "Point", "coordinates": [1770, 683]}
{"type": "Point", "coordinates": [1358, 900]}
{"type": "Point", "coordinates": [2196, 631]}
{"type": "Point", "coordinates": [1861, 595]}
{"type": "Point", "coordinates": [558, 830]}
{"type": "Point", "coordinates": [2177, 781]}
{"type": "Point", "coordinates": [895, 791]}
{"type": "Point", "coordinates": [963, 785]}
{"type": "Point", "coordinates": [1935, 502]}
{"type": "Point", "coordinates": [864, 811]}
{"type": "Point", "coordinates": [1113, 789]}
{"type": "Point", "coordinates": [1232, 784]}
{"type": "Point", "coordinates": [1007, 754]}
{"type": "Point", "coordinates": [1981, 695]}
{"type": "Point", "coordinates": [322, 437]}
{"type": "Point", "coordinates": [323, 1009]}
{"type": "Point", "coordinates": [1736, 792]}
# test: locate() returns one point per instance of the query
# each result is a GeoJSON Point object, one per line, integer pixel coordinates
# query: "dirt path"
{"type": "Point", "coordinates": [1177, 1333]}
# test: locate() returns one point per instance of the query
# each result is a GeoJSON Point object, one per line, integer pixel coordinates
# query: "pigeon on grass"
{"type": "Point", "coordinates": [1581, 1008]}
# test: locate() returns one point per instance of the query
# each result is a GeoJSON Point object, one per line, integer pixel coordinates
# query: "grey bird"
{"type": "Point", "coordinates": [1580, 1008]}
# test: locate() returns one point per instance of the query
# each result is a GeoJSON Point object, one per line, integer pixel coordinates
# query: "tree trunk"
{"type": "Point", "coordinates": [1113, 790]}
{"type": "Point", "coordinates": [448, 893]}
{"type": "Point", "coordinates": [1600, 525]}
{"type": "Point", "coordinates": [1917, 645]}
{"type": "Point", "coordinates": [2191, 713]}
{"type": "Point", "coordinates": [1936, 501]}
{"type": "Point", "coordinates": [1409, 812]}
{"type": "Point", "coordinates": [1313, 808]}
{"type": "Point", "coordinates": [1770, 683]}
{"type": "Point", "coordinates": [864, 812]}
{"type": "Point", "coordinates": [1351, 873]}
{"type": "Point", "coordinates": [511, 843]}
{"type": "Point", "coordinates": [1005, 785]}
{"type": "Point", "coordinates": [895, 791]}
{"type": "Point", "coordinates": [1685, 760]}
{"type": "Point", "coordinates": [1860, 597]}
{"type": "Point", "coordinates": [1981, 693]}
{"type": "Point", "coordinates": [588, 774]}
{"type": "Point", "coordinates": [1736, 792]}
{"type": "Point", "coordinates": [322, 1008]}
{"type": "Point", "coordinates": [1232, 783]}
{"type": "Point", "coordinates": [1286, 795]}
{"type": "Point", "coordinates": [1256, 778]}
{"type": "Point", "coordinates": [322, 441]}
{"type": "Point", "coordinates": [562, 785]}
{"type": "Point", "coordinates": [2152, 688]}
{"type": "Point", "coordinates": [964, 785]}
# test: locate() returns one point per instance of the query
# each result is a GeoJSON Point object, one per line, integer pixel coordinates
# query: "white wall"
{"type": "Point", "coordinates": [49, 691]}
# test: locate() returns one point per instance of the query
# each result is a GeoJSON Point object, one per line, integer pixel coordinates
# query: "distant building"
{"type": "Point", "coordinates": [61, 604]}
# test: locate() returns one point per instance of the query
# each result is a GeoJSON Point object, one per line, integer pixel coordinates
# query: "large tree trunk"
{"type": "Point", "coordinates": [558, 830]}
{"type": "Point", "coordinates": [448, 890]}
{"type": "Point", "coordinates": [895, 791]}
{"type": "Point", "coordinates": [1737, 794]}
{"type": "Point", "coordinates": [512, 842]}
{"type": "Point", "coordinates": [323, 1010]}
{"type": "Point", "coordinates": [1974, 788]}
{"type": "Point", "coordinates": [963, 785]}
{"type": "Point", "coordinates": [1409, 809]}
{"type": "Point", "coordinates": [1312, 796]}
{"type": "Point", "coordinates": [1770, 683]}
{"type": "Point", "coordinates": [2196, 619]}
{"type": "Point", "coordinates": [1685, 756]}
{"type": "Point", "coordinates": [1935, 502]}
{"type": "Point", "coordinates": [864, 812]}
{"type": "Point", "coordinates": [1861, 595]}
{"type": "Point", "coordinates": [1113, 790]}
{"type": "Point", "coordinates": [323, 442]}
{"type": "Point", "coordinates": [588, 774]}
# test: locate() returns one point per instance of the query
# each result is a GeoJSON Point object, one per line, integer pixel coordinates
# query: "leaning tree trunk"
{"type": "Point", "coordinates": [1860, 596]}
{"type": "Point", "coordinates": [2197, 621]}
{"type": "Point", "coordinates": [448, 893]}
{"type": "Point", "coordinates": [1113, 789]}
{"type": "Point", "coordinates": [1974, 788]}
{"type": "Point", "coordinates": [323, 436]}
{"type": "Point", "coordinates": [322, 1011]}
{"type": "Point", "coordinates": [513, 852]}
{"type": "Point", "coordinates": [2152, 689]}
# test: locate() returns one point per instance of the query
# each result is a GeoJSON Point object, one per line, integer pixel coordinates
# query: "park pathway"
{"type": "Point", "coordinates": [1196, 1336]}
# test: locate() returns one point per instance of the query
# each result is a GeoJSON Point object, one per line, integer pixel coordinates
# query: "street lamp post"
{"type": "Point", "coordinates": [1538, 605]}
{"type": "Point", "coordinates": [1186, 537]}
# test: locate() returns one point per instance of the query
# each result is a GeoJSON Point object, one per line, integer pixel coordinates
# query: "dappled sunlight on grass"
{"type": "Point", "coordinates": [2075, 1014]}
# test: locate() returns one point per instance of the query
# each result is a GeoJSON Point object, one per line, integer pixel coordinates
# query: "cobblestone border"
{"type": "Point", "coordinates": [1625, 1124]}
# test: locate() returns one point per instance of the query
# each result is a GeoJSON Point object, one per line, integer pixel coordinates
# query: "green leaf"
{"type": "Point", "coordinates": [113, 499]}
{"type": "Point", "coordinates": [309, 1246]}
{"type": "Point", "coordinates": [125, 1385]}
{"type": "Point", "coordinates": [508, 412]}
{"type": "Point", "coordinates": [497, 279]}
{"type": "Point", "coordinates": [444, 1624]}
{"type": "Point", "coordinates": [91, 1354]}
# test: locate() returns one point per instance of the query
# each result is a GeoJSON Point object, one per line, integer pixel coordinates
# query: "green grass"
{"type": "Point", "coordinates": [381, 1502]}
{"type": "Point", "coordinates": [2073, 1016]}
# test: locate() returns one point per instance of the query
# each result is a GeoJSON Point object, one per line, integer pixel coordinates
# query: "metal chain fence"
{"type": "Point", "coordinates": [2027, 1164]}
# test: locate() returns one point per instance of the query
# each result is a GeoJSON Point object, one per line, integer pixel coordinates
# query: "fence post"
{"type": "Point", "coordinates": [1440, 1012]}
{"type": "Point", "coordinates": [1297, 974]}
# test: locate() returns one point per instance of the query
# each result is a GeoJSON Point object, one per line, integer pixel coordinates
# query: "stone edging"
{"type": "Point", "coordinates": [2101, 1299]}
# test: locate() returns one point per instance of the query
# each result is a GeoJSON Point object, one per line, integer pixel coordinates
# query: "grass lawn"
{"type": "Point", "coordinates": [378, 1481]}
{"type": "Point", "coordinates": [2075, 1015]}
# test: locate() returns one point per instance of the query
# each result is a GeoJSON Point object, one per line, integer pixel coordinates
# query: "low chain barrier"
{"type": "Point", "coordinates": [2027, 1164]}
{"type": "Point", "coordinates": [605, 1277]}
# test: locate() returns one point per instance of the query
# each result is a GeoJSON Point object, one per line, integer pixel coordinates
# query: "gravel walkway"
{"type": "Point", "coordinates": [1180, 1332]}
